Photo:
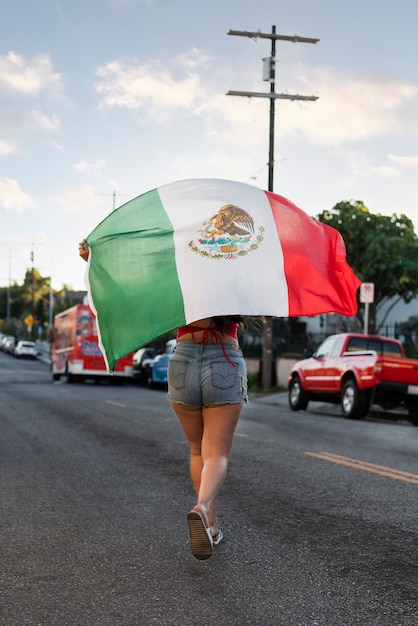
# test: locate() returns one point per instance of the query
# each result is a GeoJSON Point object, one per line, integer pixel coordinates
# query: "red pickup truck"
{"type": "Point", "coordinates": [355, 371]}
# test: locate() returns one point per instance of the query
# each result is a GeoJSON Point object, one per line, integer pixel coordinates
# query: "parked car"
{"type": "Point", "coordinates": [4, 339]}
{"type": "Point", "coordinates": [157, 369]}
{"type": "Point", "coordinates": [8, 344]}
{"type": "Point", "coordinates": [141, 360]}
{"type": "Point", "coordinates": [25, 349]}
{"type": "Point", "coordinates": [357, 370]}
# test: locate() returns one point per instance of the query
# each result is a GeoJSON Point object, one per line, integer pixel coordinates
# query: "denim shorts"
{"type": "Point", "coordinates": [201, 374]}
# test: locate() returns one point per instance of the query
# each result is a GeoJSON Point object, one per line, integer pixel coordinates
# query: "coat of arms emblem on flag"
{"type": "Point", "coordinates": [228, 234]}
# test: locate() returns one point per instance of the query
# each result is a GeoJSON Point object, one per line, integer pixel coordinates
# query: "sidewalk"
{"type": "Point", "coordinates": [271, 398]}
{"type": "Point", "coordinates": [43, 349]}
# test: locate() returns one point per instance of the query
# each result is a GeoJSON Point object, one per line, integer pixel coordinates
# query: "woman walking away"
{"type": "Point", "coordinates": [207, 384]}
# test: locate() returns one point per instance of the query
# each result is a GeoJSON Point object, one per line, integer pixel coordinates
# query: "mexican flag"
{"type": "Point", "coordinates": [199, 248]}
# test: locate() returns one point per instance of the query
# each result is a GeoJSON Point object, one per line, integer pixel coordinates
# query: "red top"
{"type": "Point", "coordinates": [231, 329]}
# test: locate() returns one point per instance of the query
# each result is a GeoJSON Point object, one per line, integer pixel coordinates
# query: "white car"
{"type": "Point", "coordinates": [25, 349]}
{"type": "Point", "coordinates": [3, 340]}
{"type": "Point", "coordinates": [8, 344]}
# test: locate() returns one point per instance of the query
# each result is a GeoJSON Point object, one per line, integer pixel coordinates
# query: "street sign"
{"type": "Point", "coordinates": [29, 320]}
{"type": "Point", "coordinates": [367, 293]}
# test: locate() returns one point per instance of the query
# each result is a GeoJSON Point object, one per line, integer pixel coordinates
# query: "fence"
{"type": "Point", "coordinates": [290, 338]}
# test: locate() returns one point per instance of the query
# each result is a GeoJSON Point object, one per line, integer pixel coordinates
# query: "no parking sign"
{"type": "Point", "coordinates": [367, 297]}
{"type": "Point", "coordinates": [367, 293]}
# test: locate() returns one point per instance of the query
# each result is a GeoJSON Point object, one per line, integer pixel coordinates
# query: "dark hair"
{"type": "Point", "coordinates": [244, 321]}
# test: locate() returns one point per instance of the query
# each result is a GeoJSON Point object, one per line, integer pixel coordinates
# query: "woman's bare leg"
{"type": "Point", "coordinates": [191, 420]}
{"type": "Point", "coordinates": [209, 432]}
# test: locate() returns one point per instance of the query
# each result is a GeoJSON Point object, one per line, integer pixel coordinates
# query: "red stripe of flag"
{"type": "Point", "coordinates": [315, 263]}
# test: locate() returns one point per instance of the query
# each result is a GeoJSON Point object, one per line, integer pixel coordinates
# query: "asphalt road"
{"type": "Point", "coordinates": [319, 513]}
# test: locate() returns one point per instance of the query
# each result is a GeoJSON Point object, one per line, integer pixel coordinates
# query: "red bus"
{"type": "Point", "coordinates": [75, 351]}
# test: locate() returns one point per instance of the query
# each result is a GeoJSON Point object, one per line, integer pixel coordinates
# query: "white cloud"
{"type": "Point", "coordinates": [404, 161]}
{"type": "Point", "coordinates": [351, 107]}
{"type": "Point", "coordinates": [386, 171]}
{"type": "Point", "coordinates": [12, 198]}
{"type": "Point", "coordinates": [80, 200]}
{"type": "Point", "coordinates": [45, 122]}
{"type": "Point", "coordinates": [23, 82]}
{"type": "Point", "coordinates": [94, 168]}
{"type": "Point", "coordinates": [7, 147]}
{"type": "Point", "coordinates": [236, 120]}
{"type": "Point", "coordinates": [152, 87]}
{"type": "Point", "coordinates": [27, 77]}
{"type": "Point", "coordinates": [55, 145]}
{"type": "Point", "coordinates": [360, 164]}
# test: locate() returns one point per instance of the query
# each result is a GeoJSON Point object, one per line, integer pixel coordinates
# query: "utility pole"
{"type": "Point", "coordinates": [270, 76]}
{"type": "Point", "coordinates": [9, 293]}
{"type": "Point", "coordinates": [32, 258]}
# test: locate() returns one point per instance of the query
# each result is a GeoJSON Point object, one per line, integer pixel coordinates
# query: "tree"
{"type": "Point", "coordinates": [382, 250]}
{"type": "Point", "coordinates": [32, 297]}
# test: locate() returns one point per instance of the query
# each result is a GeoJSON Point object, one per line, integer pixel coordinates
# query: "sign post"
{"type": "Point", "coordinates": [366, 297]}
{"type": "Point", "coordinates": [29, 323]}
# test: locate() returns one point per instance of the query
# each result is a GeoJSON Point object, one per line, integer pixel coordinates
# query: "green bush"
{"type": "Point", "coordinates": [255, 387]}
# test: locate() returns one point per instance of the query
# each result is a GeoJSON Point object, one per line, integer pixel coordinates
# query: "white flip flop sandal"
{"type": "Point", "coordinates": [216, 539]}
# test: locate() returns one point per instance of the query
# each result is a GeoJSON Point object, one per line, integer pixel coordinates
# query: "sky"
{"type": "Point", "coordinates": [103, 100]}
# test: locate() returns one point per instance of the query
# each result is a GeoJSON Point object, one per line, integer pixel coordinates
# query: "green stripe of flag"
{"type": "Point", "coordinates": [132, 276]}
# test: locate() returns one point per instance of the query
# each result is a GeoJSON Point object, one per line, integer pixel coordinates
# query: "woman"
{"type": "Point", "coordinates": [207, 384]}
